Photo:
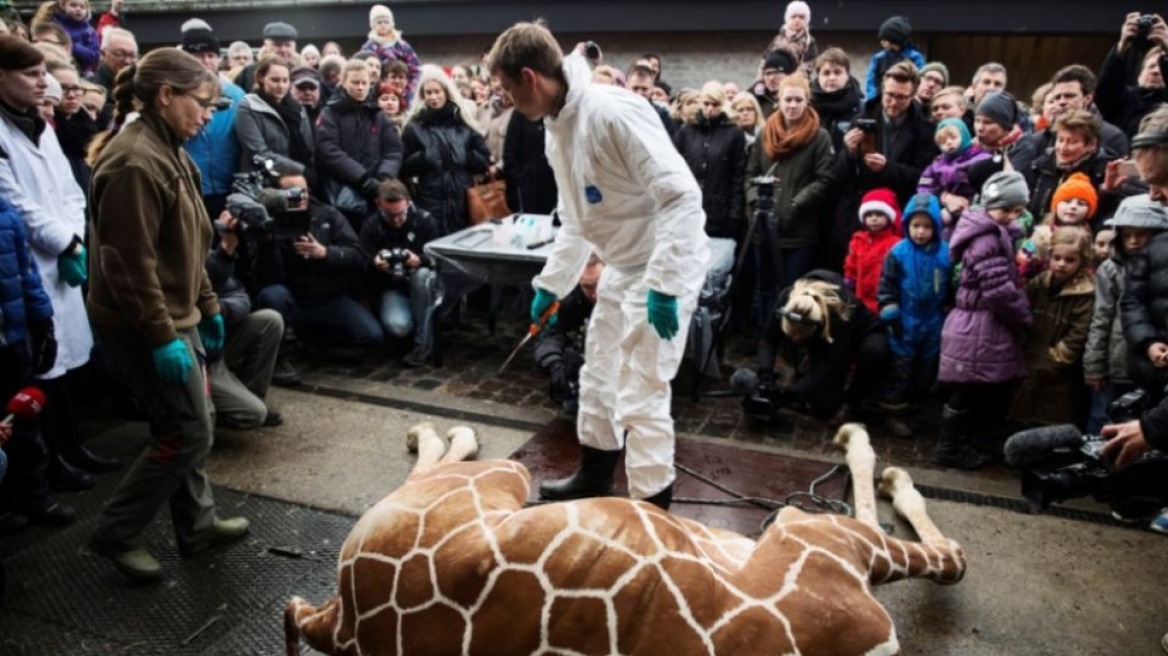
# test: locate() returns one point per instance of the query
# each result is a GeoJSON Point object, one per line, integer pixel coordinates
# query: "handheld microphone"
{"type": "Point", "coordinates": [25, 406]}
{"type": "Point", "coordinates": [1032, 446]}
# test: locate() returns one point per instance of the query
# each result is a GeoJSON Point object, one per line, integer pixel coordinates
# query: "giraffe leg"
{"type": "Point", "coordinates": [861, 459]}
{"type": "Point", "coordinates": [313, 624]}
{"type": "Point", "coordinates": [464, 444]}
{"type": "Point", "coordinates": [896, 484]}
{"type": "Point", "coordinates": [422, 439]}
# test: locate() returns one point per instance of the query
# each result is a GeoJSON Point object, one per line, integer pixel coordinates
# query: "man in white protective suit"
{"type": "Point", "coordinates": [627, 195]}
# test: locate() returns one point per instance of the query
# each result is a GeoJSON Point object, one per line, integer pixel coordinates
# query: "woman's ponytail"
{"type": "Point", "coordinates": [123, 96]}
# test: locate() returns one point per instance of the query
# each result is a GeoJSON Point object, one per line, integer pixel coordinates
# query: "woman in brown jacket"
{"type": "Point", "coordinates": [151, 303]}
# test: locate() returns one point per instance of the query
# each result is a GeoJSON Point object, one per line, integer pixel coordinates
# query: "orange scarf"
{"type": "Point", "coordinates": [779, 140]}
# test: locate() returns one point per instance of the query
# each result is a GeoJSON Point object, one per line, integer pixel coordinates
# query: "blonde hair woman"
{"type": "Point", "coordinates": [748, 116]}
{"type": "Point", "coordinates": [443, 149]}
{"type": "Point", "coordinates": [714, 148]}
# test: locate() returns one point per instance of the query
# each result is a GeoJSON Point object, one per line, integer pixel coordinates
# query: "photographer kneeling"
{"type": "Point", "coordinates": [308, 279]}
{"type": "Point", "coordinates": [820, 319]}
{"type": "Point", "coordinates": [394, 240]}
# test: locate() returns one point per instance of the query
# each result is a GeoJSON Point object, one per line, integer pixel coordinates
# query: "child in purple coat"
{"type": "Point", "coordinates": [949, 173]}
{"type": "Point", "coordinates": [981, 342]}
{"type": "Point", "coordinates": [387, 43]}
{"type": "Point", "coordinates": [73, 16]}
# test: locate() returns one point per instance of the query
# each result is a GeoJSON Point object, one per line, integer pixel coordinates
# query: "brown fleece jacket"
{"type": "Point", "coordinates": [150, 235]}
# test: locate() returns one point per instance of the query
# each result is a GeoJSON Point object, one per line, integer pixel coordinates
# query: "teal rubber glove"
{"type": "Point", "coordinates": [542, 301]}
{"type": "Point", "coordinates": [662, 309]}
{"type": "Point", "coordinates": [212, 332]}
{"type": "Point", "coordinates": [73, 267]}
{"type": "Point", "coordinates": [172, 361]}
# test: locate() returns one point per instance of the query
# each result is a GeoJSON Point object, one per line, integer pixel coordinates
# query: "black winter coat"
{"type": "Point", "coordinates": [377, 234]}
{"type": "Point", "coordinates": [1125, 105]}
{"type": "Point", "coordinates": [1044, 178]}
{"type": "Point", "coordinates": [836, 109]}
{"type": "Point", "coordinates": [531, 183]}
{"type": "Point", "coordinates": [356, 142]}
{"type": "Point", "coordinates": [444, 154]}
{"type": "Point", "coordinates": [315, 281]}
{"type": "Point", "coordinates": [1144, 311]}
{"type": "Point", "coordinates": [715, 151]}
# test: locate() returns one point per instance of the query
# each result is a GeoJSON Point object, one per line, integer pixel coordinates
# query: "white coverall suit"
{"type": "Point", "coordinates": [626, 194]}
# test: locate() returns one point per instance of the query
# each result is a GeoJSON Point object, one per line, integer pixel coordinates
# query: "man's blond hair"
{"type": "Point", "coordinates": [526, 45]}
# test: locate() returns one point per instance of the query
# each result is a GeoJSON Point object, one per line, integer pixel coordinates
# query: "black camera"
{"type": "Point", "coordinates": [1144, 27]}
{"type": "Point", "coordinates": [396, 257]}
{"type": "Point", "coordinates": [865, 125]}
{"type": "Point", "coordinates": [761, 399]}
{"type": "Point", "coordinates": [1059, 463]}
{"type": "Point", "coordinates": [591, 50]}
{"type": "Point", "coordinates": [255, 199]}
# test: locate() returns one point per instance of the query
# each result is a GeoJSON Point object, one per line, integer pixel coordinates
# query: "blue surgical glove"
{"type": "Point", "coordinates": [542, 301]}
{"type": "Point", "coordinates": [212, 332]}
{"type": "Point", "coordinates": [73, 267]}
{"type": "Point", "coordinates": [172, 361]}
{"type": "Point", "coordinates": [662, 309]}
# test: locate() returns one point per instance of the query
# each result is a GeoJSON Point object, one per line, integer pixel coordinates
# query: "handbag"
{"type": "Point", "coordinates": [487, 200]}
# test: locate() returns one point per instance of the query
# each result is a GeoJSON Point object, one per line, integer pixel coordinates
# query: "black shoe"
{"type": "Point", "coordinates": [662, 499]}
{"type": "Point", "coordinates": [54, 513]}
{"type": "Point", "coordinates": [64, 477]}
{"type": "Point", "coordinates": [593, 479]}
{"type": "Point", "coordinates": [416, 358]}
{"type": "Point", "coordinates": [87, 460]}
{"type": "Point", "coordinates": [285, 375]}
{"type": "Point", "coordinates": [273, 419]}
{"type": "Point", "coordinates": [12, 522]}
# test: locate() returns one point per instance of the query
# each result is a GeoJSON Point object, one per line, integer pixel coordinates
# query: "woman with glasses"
{"type": "Point", "coordinates": [151, 303]}
{"type": "Point", "coordinates": [715, 150]}
{"type": "Point", "coordinates": [75, 127]}
{"type": "Point", "coordinates": [271, 122]}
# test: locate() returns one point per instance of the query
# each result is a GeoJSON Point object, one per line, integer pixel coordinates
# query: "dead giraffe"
{"type": "Point", "coordinates": [452, 563]}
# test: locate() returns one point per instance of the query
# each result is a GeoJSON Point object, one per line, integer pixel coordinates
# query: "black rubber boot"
{"type": "Point", "coordinates": [593, 479]}
{"type": "Point", "coordinates": [953, 448]}
{"type": "Point", "coordinates": [90, 461]}
{"type": "Point", "coordinates": [662, 499]}
{"type": "Point", "coordinates": [64, 477]}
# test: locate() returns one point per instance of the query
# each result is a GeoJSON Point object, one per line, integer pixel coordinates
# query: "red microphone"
{"type": "Point", "coordinates": [25, 406]}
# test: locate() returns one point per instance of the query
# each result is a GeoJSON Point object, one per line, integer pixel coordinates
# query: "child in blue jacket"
{"type": "Point", "coordinates": [895, 35]}
{"type": "Point", "coordinates": [914, 287]}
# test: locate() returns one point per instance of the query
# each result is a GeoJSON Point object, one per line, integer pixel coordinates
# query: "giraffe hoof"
{"type": "Point", "coordinates": [414, 432]}
{"type": "Point", "coordinates": [893, 479]}
{"type": "Point", "coordinates": [465, 438]}
{"type": "Point", "coordinates": [850, 433]}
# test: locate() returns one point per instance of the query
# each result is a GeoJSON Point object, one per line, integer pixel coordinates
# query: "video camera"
{"type": "Point", "coordinates": [256, 202]}
{"type": "Point", "coordinates": [396, 258]}
{"type": "Point", "coordinates": [1059, 463]}
{"type": "Point", "coordinates": [766, 193]}
{"type": "Point", "coordinates": [761, 400]}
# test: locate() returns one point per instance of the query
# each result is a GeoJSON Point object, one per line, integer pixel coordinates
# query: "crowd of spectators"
{"type": "Point", "coordinates": [914, 231]}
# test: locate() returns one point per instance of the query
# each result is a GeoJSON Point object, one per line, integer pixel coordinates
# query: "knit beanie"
{"type": "Point", "coordinates": [1005, 189]}
{"type": "Point", "coordinates": [781, 60]}
{"type": "Point", "coordinates": [940, 68]}
{"type": "Point", "coordinates": [962, 129]}
{"type": "Point", "coordinates": [1139, 212]}
{"type": "Point", "coordinates": [380, 11]}
{"type": "Point", "coordinates": [897, 30]}
{"type": "Point", "coordinates": [999, 107]}
{"type": "Point", "coordinates": [1077, 185]}
{"type": "Point", "coordinates": [798, 7]}
{"type": "Point", "coordinates": [884, 202]}
{"type": "Point", "coordinates": [195, 24]}
{"type": "Point", "coordinates": [53, 91]}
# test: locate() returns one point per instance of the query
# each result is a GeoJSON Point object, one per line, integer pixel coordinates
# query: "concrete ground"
{"type": "Point", "coordinates": [1035, 584]}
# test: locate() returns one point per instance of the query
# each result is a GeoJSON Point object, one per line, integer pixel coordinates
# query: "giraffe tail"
{"type": "Point", "coordinates": [315, 625]}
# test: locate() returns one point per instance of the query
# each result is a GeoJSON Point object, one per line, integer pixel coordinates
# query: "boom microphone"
{"type": "Point", "coordinates": [744, 381]}
{"type": "Point", "coordinates": [1032, 446]}
{"type": "Point", "coordinates": [25, 406]}
{"type": "Point", "coordinates": [273, 201]}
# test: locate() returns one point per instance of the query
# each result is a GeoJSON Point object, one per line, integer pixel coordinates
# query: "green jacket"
{"type": "Point", "coordinates": [150, 235]}
{"type": "Point", "coordinates": [805, 179]}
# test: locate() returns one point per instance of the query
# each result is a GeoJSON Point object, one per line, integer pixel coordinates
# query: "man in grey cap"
{"type": "Point", "coordinates": [280, 40]}
{"type": "Point", "coordinates": [306, 87]}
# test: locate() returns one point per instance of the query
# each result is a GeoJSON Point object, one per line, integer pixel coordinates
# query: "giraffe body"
{"type": "Point", "coordinates": [452, 563]}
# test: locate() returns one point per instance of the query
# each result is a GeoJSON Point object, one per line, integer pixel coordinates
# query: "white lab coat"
{"type": "Point", "coordinates": [36, 179]}
{"type": "Point", "coordinates": [626, 194]}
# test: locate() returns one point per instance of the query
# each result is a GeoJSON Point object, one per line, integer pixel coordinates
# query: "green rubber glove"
{"type": "Point", "coordinates": [212, 332]}
{"type": "Point", "coordinates": [73, 267]}
{"type": "Point", "coordinates": [662, 310]}
{"type": "Point", "coordinates": [542, 301]}
{"type": "Point", "coordinates": [172, 361]}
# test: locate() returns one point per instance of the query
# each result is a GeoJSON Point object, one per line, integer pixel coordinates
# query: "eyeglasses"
{"type": "Point", "coordinates": [118, 53]}
{"type": "Point", "coordinates": [67, 89]}
{"type": "Point", "coordinates": [206, 104]}
{"type": "Point", "coordinates": [307, 86]}
{"type": "Point", "coordinates": [898, 97]}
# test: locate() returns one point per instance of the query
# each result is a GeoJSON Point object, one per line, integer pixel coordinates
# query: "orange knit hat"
{"type": "Point", "coordinates": [1078, 185]}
